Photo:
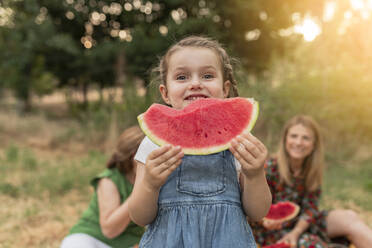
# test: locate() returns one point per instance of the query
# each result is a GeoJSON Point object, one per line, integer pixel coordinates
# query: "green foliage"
{"type": "Point", "coordinates": [23, 64]}
{"type": "Point", "coordinates": [42, 82]}
{"type": "Point", "coordinates": [79, 50]}
{"type": "Point", "coordinates": [12, 153]}
{"type": "Point", "coordinates": [9, 189]}
{"type": "Point", "coordinates": [29, 160]}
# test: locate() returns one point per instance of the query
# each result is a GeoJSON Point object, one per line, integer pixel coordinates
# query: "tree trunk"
{"type": "Point", "coordinates": [120, 69]}
{"type": "Point", "coordinates": [85, 94]}
{"type": "Point", "coordinates": [24, 89]}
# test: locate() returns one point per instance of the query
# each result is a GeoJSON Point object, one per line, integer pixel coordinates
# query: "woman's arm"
{"type": "Point", "coordinates": [309, 206]}
{"type": "Point", "coordinates": [113, 216]}
{"type": "Point", "coordinates": [309, 213]}
{"type": "Point", "coordinates": [292, 237]}
{"type": "Point", "coordinates": [143, 203]}
{"type": "Point", "coordinates": [255, 195]}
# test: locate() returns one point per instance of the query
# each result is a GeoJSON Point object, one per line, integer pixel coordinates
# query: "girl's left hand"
{"type": "Point", "coordinates": [250, 152]}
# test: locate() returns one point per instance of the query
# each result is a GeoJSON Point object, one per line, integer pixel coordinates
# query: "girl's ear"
{"type": "Point", "coordinates": [164, 93]}
{"type": "Point", "coordinates": [226, 88]}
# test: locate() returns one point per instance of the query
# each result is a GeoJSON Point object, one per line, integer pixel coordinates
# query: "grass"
{"type": "Point", "coordinates": [350, 184]}
{"type": "Point", "coordinates": [25, 175]}
{"type": "Point", "coordinates": [41, 199]}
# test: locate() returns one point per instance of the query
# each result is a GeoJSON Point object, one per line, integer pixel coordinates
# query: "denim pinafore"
{"type": "Point", "coordinates": [200, 207]}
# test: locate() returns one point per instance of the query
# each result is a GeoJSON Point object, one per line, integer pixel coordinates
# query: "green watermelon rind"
{"type": "Point", "coordinates": [200, 151]}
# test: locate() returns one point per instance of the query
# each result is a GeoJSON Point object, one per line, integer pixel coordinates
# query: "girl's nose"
{"type": "Point", "coordinates": [195, 83]}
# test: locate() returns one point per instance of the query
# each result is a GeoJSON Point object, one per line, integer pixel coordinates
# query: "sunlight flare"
{"type": "Point", "coordinates": [309, 28]}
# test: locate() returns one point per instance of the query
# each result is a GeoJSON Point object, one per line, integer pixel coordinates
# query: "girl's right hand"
{"type": "Point", "coordinates": [160, 164]}
{"type": "Point", "coordinates": [272, 224]}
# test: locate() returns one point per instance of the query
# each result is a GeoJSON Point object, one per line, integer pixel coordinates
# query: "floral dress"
{"type": "Point", "coordinates": [315, 236]}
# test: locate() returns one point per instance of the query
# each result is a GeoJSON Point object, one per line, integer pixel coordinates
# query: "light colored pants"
{"type": "Point", "coordinates": [82, 240]}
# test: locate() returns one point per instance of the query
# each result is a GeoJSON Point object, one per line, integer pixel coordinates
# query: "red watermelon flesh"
{"type": "Point", "coordinates": [279, 245]}
{"type": "Point", "coordinates": [205, 126]}
{"type": "Point", "coordinates": [283, 211]}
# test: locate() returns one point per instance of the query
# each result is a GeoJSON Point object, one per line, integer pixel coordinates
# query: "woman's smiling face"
{"type": "Point", "coordinates": [299, 142]}
{"type": "Point", "coordinates": [193, 73]}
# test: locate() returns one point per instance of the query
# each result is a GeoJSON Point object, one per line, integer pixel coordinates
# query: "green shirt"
{"type": "Point", "coordinates": [89, 222]}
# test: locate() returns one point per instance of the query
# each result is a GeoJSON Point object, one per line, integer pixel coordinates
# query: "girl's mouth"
{"type": "Point", "coordinates": [195, 97]}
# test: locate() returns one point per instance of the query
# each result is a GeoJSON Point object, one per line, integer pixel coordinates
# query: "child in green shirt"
{"type": "Point", "coordinates": [106, 222]}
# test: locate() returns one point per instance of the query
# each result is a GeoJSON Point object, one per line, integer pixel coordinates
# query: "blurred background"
{"type": "Point", "coordinates": [75, 73]}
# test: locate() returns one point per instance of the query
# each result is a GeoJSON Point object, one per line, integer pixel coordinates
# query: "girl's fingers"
{"type": "Point", "coordinates": [241, 153]}
{"type": "Point", "coordinates": [255, 141]}
{"type": "Point", "coordinates": [249, 146]}
{"type": "Point", "coordinates": [166, 165]}
{"type": "Point", "coordinates": [172, 168]}
{"type": "Point", "coordinates": [164, 157]}
{"type": "Point", "coordinates": [158, 152]}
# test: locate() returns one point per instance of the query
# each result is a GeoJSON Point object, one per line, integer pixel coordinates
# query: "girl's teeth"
{"type": "Point", "coordinates": [195, 97]}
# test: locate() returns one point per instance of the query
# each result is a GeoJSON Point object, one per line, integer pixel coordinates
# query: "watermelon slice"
{"type": "Point", "coordinates": [279, 245]}
{"type": "Point", "coordinates": [205, 126]}
{"type": "Point", "coordinates": [283, 211]}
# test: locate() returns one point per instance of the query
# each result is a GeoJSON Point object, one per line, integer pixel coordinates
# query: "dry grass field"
{"type": "Point", "coordinates": [46, 164]}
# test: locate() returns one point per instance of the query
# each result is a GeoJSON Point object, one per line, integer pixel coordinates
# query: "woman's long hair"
{"type": "Point", "coordinates": [126, 148]}
{"type": "Point", "coordinates": [313, 164]}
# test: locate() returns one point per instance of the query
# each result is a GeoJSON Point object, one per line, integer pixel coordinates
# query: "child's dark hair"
{"type": "Point", "coordinates": [125, 149]}
{"type": "Point", "coordinates": [200, 42]}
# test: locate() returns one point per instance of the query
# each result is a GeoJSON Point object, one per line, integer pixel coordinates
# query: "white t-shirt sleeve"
{"type": "Point", "coordinates": [237, 165]}
{"type": "Point", "coordinates": [144, 149]}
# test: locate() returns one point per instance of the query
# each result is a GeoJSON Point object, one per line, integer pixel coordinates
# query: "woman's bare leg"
{"type": "Point", "coordinates": [347, 223]}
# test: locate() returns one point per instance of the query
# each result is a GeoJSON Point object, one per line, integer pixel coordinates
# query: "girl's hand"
{"type": "Point", "coordinates": [290, 238]}
{"type": "Point", "coordinates": [250, 152]}
{"type": "Point", "coordinates": [160, 163]}
{"type": "Point", "coordinates": [272, 224]}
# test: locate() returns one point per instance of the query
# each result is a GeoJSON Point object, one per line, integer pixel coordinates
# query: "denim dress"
{"type": "Point", "coordinates": [199, 206]}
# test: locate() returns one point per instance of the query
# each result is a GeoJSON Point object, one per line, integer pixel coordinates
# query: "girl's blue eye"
{"type": "Point", "coordinates": [208, 76]}
{"type": "Point", "coordinates": [181, 77]}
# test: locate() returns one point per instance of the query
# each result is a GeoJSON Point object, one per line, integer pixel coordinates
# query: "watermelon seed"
{"type": "Point", "coordinates": [206, 135]}
{"type": "Point", "coordinates": [219, 132]}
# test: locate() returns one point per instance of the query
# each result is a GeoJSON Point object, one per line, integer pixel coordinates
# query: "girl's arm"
{"type": "Point", "coordinates": [143, 203]}
{"type": "Point", "coordinates": [256, 195]}
{"type": "Point", "coordinates": [113, 216]}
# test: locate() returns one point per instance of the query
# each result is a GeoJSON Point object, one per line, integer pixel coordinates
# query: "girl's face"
{"type": "Point", "coordinates": [193, 73]}
{"type": "Point", "coordinates": [299, 142]}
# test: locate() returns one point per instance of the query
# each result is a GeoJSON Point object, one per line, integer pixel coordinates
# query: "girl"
{"type": "Point", "coordinates": [106, 222]}
{"type": "Point", "coordinates": [196, 201]}
{"type": "Point", "coordinates": [296, 175]}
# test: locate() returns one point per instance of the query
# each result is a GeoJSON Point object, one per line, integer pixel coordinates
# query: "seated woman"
{"type": "Point", "coordinates": [295, 174]}
{"type": "Point", "coordinates": [106, 222]}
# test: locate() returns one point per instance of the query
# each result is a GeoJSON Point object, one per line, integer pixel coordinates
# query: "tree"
{"type": "Point", "coordinates": [23, 40]}
{"type": "Point", "coordinates": [81, 41]}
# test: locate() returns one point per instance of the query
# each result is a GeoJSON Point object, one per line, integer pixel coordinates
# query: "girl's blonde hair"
{"type": "Point", "coordinates": [200, 42]}
{"type": "Point", "coordinates": [125, 149]}
{"type": "Point", "coordinates": [313, 164]}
